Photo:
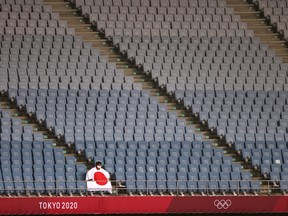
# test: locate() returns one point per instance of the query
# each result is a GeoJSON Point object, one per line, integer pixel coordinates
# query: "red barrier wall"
{"type": "Point", "coordinates": [145, 204]}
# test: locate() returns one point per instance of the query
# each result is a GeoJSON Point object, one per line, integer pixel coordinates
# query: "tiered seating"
{"type": "Point", "coordinates": [57, 62]}
{"type": "Point", "coordinates": [110, 109]}
{"type": "Point", "coordinates": [202, 52]}
{"type": "Point", "coordinates": [199, 50]}
{"type": "Point", "coordinates": [276, 12]}
{"type": "Point", "coordinates": [208, 170]}
{"type": "Point", "coordinates": [164, 18]}
{"type": "Point", "coordinates": [254, 121]}
{"type": "Point", "coordinates": [237, 63]}
{"type": "Point", "coordinates": [130, 127]}
{"type": "Point", "coordinates": [32, 39]}
{"type": "Point", "coordinates": [31, 165]}
{"type": "Point", "coordinates": [30, 17]}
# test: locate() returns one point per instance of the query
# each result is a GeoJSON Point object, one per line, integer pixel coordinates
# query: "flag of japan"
{"type": "Point", "coordinates": [98, 180]}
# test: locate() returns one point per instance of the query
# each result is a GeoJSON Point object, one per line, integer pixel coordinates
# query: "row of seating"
{"type": "Point", "coordinates": [29, 160]}
{"type": "Point", "coordinates": [37, 30]}
{"type": "Point", "coordinates": [72, 86]}
{"type": "Point", "coordinates": [147, 3]}
{"type": "Point", "coordinates": [44, 75]}
{"type": "Point", "coordinates": [12, 7]}
{"type": "Point", "coordinates": [185, 153]}
{"type": "Point", "coordinates": [59, 65]}
{"type": "Point", "coordinates": [187, 40]}
{"type": "Point", "coordinates": [7, 135]}
{"type": "Point", "coordinates": [110, 33]}
{"type": "Point", "coordinates": [49, 16]}
{"type": "Point", "coordinates": [210, 76]}
{"type": "Point", "coordinates": [13, 93]}
{"type": "Point", "coordinates": [205, 60]}
{"type": "Point", "coordinates": [170, 25]}
{"type": "Point", "coordinates": [35, 23]}
{"type": "Point", "coordinates": [22, 2]}
{"type": "Point", "coordinates": [15, 46]}
{"type": "Point", "coordinates": [14, 144]}
{"type": "Point", "coordinates": [210, 187]}
{"type": "Point", "coordinates": [185, 170]}
{"type": "Point", "coordinates": [191, 85]}
{"type": "Point", "coordinates": [49, 168]}
{"type": "Point", "coordinates": [170, 160]}
{"type": "Point", "coordinates": [217, 16]}
{"type": "Point", "coordinates": [142, 146]}
{"type": "Point", "coordinates": [156, 10]}
{"type": "Point", "coordinates": [11, 39]}
{"type": "Point", "coordinates": [231, 94]}
{"type": "Point", "coordinates": [181, 176]}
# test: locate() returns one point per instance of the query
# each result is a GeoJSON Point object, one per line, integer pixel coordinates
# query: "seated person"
{"type": "Point", "coordinates": [98, 179]}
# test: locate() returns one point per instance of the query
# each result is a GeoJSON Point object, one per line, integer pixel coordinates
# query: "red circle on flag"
{"type": "Point", "coordinates": [100, 178]}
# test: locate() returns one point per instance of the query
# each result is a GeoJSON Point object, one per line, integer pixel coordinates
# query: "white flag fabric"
{"type": "Point", "coordinates": [98, 180]}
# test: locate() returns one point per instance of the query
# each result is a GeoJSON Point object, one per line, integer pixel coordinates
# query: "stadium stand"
{"type": "Point", "coordinates": [203, 54]}
{"type": "Point", "coordinates": [200, 52]}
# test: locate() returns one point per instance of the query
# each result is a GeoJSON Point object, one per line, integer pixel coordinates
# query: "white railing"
{"type": "Point", "coordinates": [147, 187]}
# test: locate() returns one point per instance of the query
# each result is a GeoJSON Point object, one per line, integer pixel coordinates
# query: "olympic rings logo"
{"type": "Point", "coordinates": [222, 204]}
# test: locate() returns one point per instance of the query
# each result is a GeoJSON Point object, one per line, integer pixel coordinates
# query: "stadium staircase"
{"type": "Point", "coordinates": [262, 29]}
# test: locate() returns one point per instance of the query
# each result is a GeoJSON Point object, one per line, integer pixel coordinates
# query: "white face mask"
{"type": "Point", "coordinates": [98, 167]}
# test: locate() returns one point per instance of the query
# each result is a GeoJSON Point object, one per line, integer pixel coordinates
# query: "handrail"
{"type": "Point", "coordinates": [149, 187]}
